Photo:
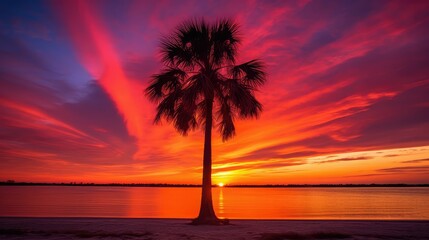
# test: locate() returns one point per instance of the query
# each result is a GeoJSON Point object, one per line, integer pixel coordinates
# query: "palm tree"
{"type": "Point", "coordinates": [201, 85]}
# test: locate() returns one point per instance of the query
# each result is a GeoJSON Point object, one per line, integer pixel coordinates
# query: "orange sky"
{"type": "Point", "coordinates": [346, 98]}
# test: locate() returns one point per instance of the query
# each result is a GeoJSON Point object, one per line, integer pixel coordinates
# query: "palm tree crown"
{"type": "Point", "coordinates": [200, 74]}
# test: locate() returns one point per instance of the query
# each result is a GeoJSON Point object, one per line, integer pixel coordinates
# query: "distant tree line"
{"type": "Point", "coordinates": [14, 183]}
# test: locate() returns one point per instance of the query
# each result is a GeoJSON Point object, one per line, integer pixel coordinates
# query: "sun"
{"type": "Point", "coordinates": [221, 184]}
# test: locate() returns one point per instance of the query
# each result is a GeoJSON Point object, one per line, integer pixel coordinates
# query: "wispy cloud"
{"type": "Point", "coordinates": [408, 169]}
{"type": "Point", "coordinates": [417, 160]}
{"type": "Point", "coordinates": [345, 159]}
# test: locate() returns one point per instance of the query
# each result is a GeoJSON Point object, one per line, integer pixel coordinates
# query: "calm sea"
{"type": "Point", "coordinates": [243, 203]}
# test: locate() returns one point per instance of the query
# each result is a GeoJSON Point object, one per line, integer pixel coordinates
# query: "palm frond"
{"type": "Point", "coordinates": [184, 119]}
{"type": "Point", "coordinates": [192, 90]}
{"type": "Point", "coordinates": [224, 35]}
{"type": "Point", "coordinates": [242, 98]}
{"type": "Point", "coordinates": [167, 107]}
{"type": "Point", "coordinates": [174, 54]}
{"type": "Point", "coordinates": [226, 118]}
{"type": "Point", "coordinates": [251, 73]}
{"type": "Point", "coordinates": [167, 81]}
{"type": "Point", "coordinates": [194, 35]}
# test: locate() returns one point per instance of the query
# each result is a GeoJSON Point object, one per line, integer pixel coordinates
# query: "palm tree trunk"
{"type": "Point", "coordinates": [207, 214]}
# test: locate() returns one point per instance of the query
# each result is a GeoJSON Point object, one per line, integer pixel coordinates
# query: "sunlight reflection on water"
{"type": "Point", "coordinates": [244, 203]}
{"type": "Point", "coordinates": [221, 208]}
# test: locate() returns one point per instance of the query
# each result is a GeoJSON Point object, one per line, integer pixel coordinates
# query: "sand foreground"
{"type": "Point", "coordinates": [172, 229]}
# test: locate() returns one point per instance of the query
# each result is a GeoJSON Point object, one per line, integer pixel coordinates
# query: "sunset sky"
{"type": "Point", "coordinates": [346, 101]}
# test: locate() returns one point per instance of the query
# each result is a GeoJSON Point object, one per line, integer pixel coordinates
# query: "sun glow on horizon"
{"type": "Point", "coordinates": [221, 184]}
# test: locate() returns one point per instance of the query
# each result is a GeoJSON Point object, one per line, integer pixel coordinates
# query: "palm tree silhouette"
{"type": "Point", "coordinates": [201, 85]}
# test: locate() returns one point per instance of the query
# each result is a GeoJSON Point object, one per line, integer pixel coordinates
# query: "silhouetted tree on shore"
{"type": "Point", "coordinates": [201, 85]}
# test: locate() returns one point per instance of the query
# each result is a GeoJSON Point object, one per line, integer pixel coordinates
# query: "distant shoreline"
{"type": "Point", "coordinates": [13, 183]}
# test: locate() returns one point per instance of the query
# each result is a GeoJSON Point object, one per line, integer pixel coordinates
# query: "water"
{"type": "Point", "coordinates": [243, 203]}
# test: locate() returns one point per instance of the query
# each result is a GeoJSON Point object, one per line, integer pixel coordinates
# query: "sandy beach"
{"type": "Point", "coordinates": [171, 229]}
